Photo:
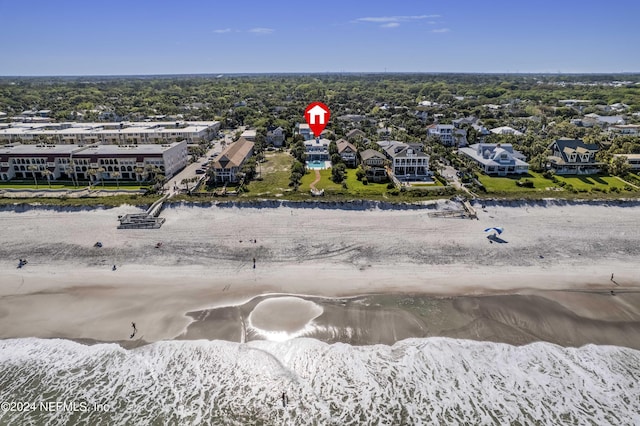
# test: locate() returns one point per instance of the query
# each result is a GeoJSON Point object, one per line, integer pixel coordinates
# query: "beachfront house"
{"type": "Point", "coordinates": [408, 162]}
{"type": "Point", "coordinates": [348, 152]}
{"type": "Point", "coordinates": [573, 157]}
{"type": "Point", "coordinates": [373, 162]}
{"type": "Point", "coordinates": [230, 161]}
{"type": "Point", "coordinates": [496, 159]}
{"type": "Point", "coordinates": [317, 149]}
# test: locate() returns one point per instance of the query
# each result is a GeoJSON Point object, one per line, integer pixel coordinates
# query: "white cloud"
{"type": "Point", "coordinates": [441, 30]}
{"type": "Point", "coordinates": [261, 30]}
{"type": "Point", "coordinates": [390, 25]}
{"type": "Point", "coordinates": [222, 31]}
{"type": "Point", "coordinates": [398, 18]}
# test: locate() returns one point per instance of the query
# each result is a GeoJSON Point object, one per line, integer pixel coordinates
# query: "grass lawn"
{"type": "Point", "coordinates": [325, 181]}
{"type": "Point", "coordinates": [507, 184]}
{"type": "Point", "coordinates": [590, 182]}
{"type": "Point", "coordinates": [275, 175]}
{"type": "Point", "coordinates": [358, 189]}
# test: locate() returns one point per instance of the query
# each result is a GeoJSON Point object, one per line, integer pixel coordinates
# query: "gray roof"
{"type": "Point", "coordinates": [410, 152]}
{"type": "Point", "coordinates": [368, 154]}
{"type": "Point", "coordinates": [565, 146]}
{"type": "Point", "coordinates": [489, 154]}
{"type": "Point", "coordinates": [343, 144]}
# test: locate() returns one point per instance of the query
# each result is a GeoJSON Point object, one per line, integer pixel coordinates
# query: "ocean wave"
{"type": "Point", "coordinates": [415, 381]}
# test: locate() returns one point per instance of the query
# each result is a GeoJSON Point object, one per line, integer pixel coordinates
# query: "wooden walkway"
{"type": "Point", "coordinates": [313, 184]}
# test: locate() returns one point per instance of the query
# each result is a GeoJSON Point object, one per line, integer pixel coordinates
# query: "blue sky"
{"type": "Point", "coordinates": [132, 37]}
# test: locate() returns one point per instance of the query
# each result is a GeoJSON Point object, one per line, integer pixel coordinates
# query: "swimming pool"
{"type": "Point", "coordinates": [318, 164]}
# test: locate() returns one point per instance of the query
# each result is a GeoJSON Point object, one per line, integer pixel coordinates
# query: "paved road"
{"type": "Point", "coordinates": [173, 186]}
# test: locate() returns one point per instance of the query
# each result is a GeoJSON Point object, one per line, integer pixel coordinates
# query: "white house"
{"type": "Point", "coordinates": [506, 130]}
{"type": "Point", "coordinates": [604, 120]}
{"type": "Point", "coordinates": [444, 132]}
{"type": "Point", "coordinates": [496, 159]}
{"type": "Point", "coordinates": [317, 149]}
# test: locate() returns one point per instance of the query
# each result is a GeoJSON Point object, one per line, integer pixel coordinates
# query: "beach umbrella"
{"type": "Point", "coordinates": [497, 230]}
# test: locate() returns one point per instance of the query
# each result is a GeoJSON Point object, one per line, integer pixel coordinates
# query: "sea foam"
{"type": "Point", "coordinates": [415, 381]}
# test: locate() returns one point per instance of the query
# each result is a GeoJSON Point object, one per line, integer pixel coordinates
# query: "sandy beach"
{"type": "Point", "coordinates": [547, 278]}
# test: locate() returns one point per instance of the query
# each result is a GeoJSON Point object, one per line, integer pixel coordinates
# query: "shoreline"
{"type": "Point", "coordinates": [347, 204]}
{"type": "Point", "coordinates": [71, 307]}
{"type": "Point", "coordinates": [68, 289]}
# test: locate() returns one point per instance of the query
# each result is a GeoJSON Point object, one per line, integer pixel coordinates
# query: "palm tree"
{"type": "Point", "coordinates": [140, 172]}
{"type": "Point", "coordinates": [71, 171]}
{"type": "Point", "coordinates": [33, 168]}
{"type": "Point", "coordinates": [117, 176]}
{"type": "Point", "coordinates": [101, 175]}
{"type": "Point", "coordinates": [185, 182]}
{"type": "Point", "coordinates": [92, 176]}
{"type": "Point", "coordinates": [47, 173]}
{"type": "Point", "coordinates": [211, 174]}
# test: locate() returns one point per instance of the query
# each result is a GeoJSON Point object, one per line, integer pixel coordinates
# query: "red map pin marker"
{"type": "Point", "coordinates": [317, 115]}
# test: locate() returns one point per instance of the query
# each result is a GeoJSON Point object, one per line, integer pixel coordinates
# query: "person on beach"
{"type": "Point", "coordinates": [612, 276]}
{"type": "Point", "coordinates": [254, 263]}
{"type": "Point", "coordinates": [114, 268]}
{"type": "Point", "coordinates": [133, 324]}
{"type": "Point", "coordinates": [284, 399]}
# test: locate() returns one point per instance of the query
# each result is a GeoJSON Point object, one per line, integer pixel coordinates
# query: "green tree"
{"type": "Point", "coordinates": [618, 166]}
{"type": "Point", "coordinates": [338, 173]}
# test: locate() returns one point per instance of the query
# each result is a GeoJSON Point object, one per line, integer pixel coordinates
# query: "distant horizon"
{"type": "Point", "coordinates": [303, 73]}
{"type": "Point", "coordinates": [123, 38]}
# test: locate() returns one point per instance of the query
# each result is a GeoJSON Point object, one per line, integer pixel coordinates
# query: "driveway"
{"type": "Point", "coordinates": [450, 174]}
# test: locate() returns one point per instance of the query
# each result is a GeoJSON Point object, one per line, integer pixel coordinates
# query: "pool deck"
{"type": "Point", "coordinates": [318, 165]}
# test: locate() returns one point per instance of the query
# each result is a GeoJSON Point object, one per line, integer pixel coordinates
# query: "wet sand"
{"type": "Point", "coordinates": [385, 319]}
{"type": "Point", "coordinates": [548, 280]}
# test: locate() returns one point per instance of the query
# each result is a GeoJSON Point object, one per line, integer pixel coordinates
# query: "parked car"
{"type": "Point", "coordinates": [200, 171]}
